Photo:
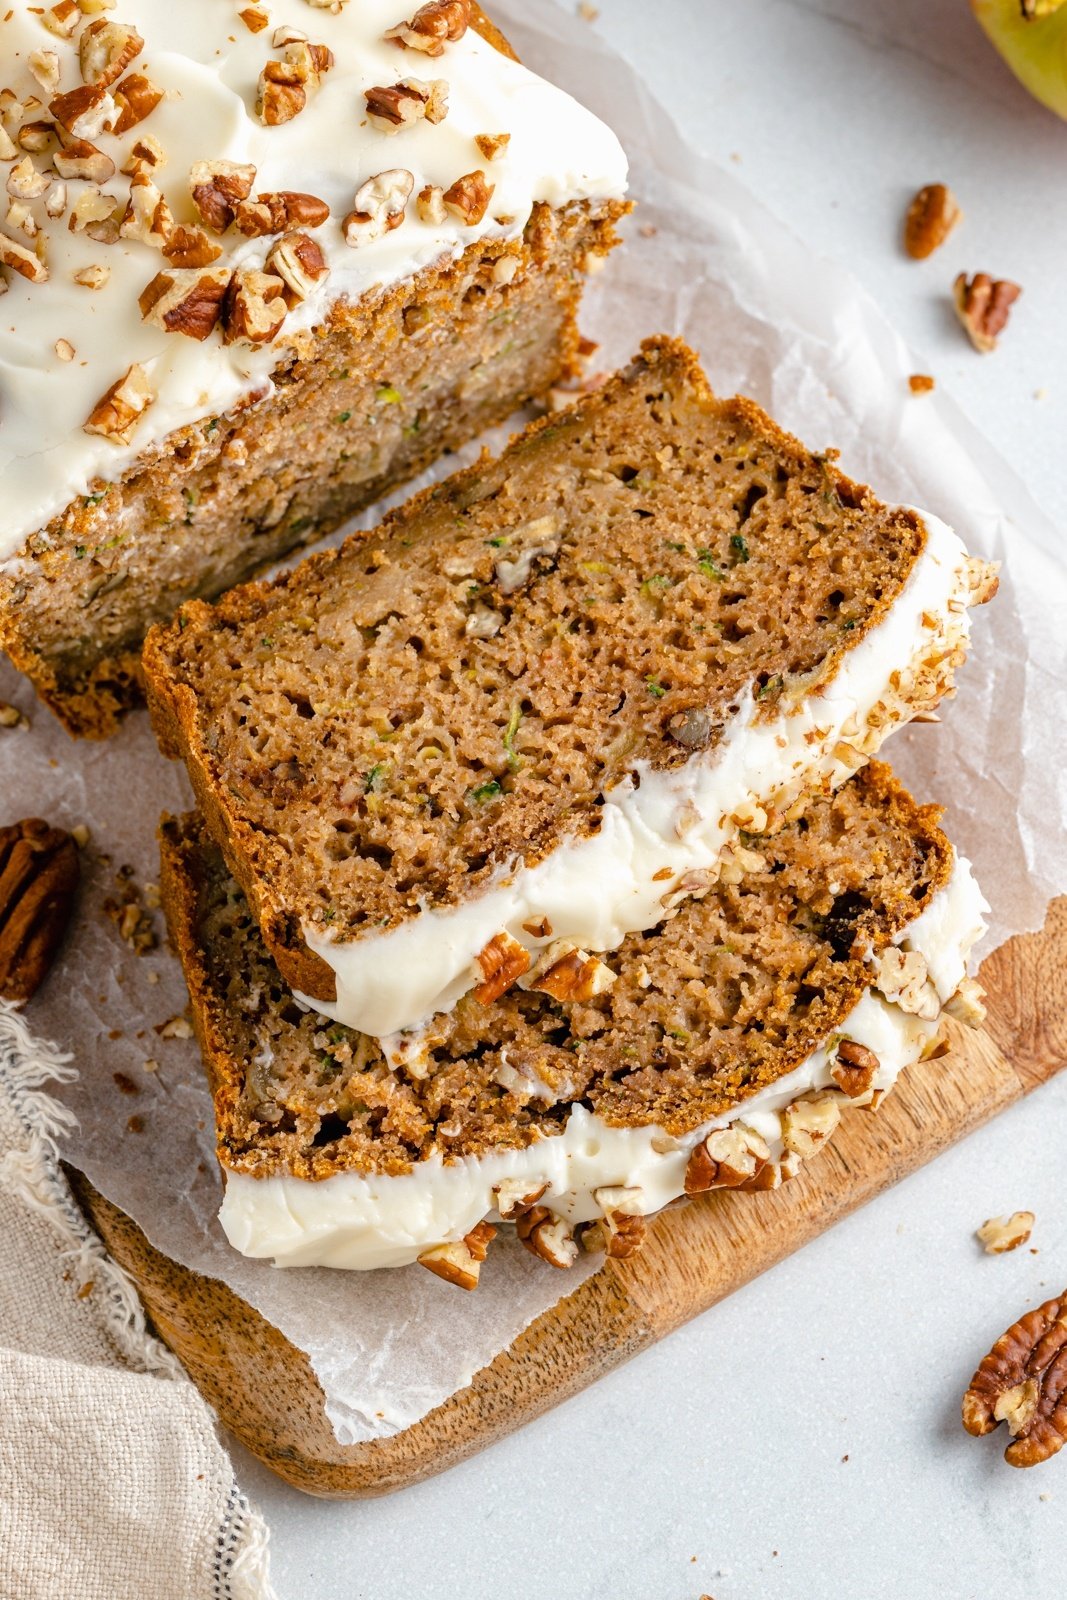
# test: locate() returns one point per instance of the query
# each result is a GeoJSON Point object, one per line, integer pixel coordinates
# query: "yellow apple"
{"type": "Point", "coordinates": [1031, 35]}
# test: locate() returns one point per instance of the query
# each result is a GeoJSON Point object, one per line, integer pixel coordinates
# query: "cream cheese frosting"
{"type": "Point", "coordinates": [358, 1222]}
{"type": "Point", "coordinates": [658, 828]}
{"type": "Point", "coordinates": [207, 62]}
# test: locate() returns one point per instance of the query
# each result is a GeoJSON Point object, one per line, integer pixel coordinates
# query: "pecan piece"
{"type": "Point", "coordinates": [492, 145]}
{"type": "Point", "coordinates": [434, 25]}
{"type": "Point", "coordinates": [903, 978]}
{"type": "Point", "coordinates": [501, 961]}
{"type": "Point", "coordinates": [136, 97]}
{"type": "Point", "coordinates": [547, 1236]}
{"type": "Point", "coordinates": [218, 188]}
{"type": "Point", "coordinates": [16, 257]}
{"type": "Point", "coordinates": [623, 1229]}
{"type": "Point", "coordinates": [298, 260]}
{"type": "Point", "coordinates": [85, 112]}
{"type": "Point", "coordinates": [1000, 1234]}
{"type": "Point", "coordinates": [810, 1121]}
{"type": "Point", "coordinates": [190, 247]}
{"type": "Point", "coordinates": [726, 1159]}
{"type": "Point", "coordinates": [275, 212]}
{"type": "Point", "coordinates": [931, 217]}
{"type": "Point", "coordinates": [391, 107]}
{"type": "Point", "coordinates": [80, 159]}
{"type": "Point", "coordinates": [39, 870]}
{"type": "Point", "coordinates": [106, 49]}
{"type": "Point", "coordinates": [967, 1005]}
{"type": "Point", "coordinates": [854, 1069]}
{"type": "Point", "coordinates": [570, 974]}
{"type": "Point", "coordinates": [461, 1262]}
{"type": "Point", "coordinates": [983, 305]}
{"type": "Point", "coordinates": [1023, 1382]}
{"type": "Point", "coordinates": [118, 411]}
{"type": "Point", "coordinates": [468, 198]}
{"type": "Point", "coordinates": [188, 302]}
{"type": "Point", "coordinates": [255, 307]}
{"type": "Point", "coordinates": [378, 206]}
{"type": "Point", "coordinates": [517, 1195]}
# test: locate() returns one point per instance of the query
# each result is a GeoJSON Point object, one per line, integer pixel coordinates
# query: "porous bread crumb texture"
{"type": "Point", "coordinates": [390, 724]}
{"type": "Point", "coordinates": [727, 996]}
{"type": "Point", "coordinates": [361, 404]}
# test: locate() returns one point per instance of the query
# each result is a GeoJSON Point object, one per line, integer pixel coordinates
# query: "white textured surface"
{"type": "Point", "coordinates": [862, 1343]}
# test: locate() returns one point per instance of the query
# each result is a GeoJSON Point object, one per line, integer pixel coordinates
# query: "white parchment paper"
{"type": "Point", "coordinates": [770, 318]}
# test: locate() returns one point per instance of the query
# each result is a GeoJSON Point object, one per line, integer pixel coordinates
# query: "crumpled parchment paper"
{"type": "Point", "coordinates": [770, 318]}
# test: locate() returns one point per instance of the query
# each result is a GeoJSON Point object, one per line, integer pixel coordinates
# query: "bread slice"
{"type": "Point", "coordinates": [542, 699]}
{"type": "Point", "coordinates": [216, 353]}
{"type": "Point", "coordinates": [717, 1050]}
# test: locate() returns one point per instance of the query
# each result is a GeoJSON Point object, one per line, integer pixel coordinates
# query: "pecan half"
{"type": "Point", "coordinates": [983, 305]}
{"type": "Point", "coordinates": [501, 961]}
{"type": "Point", "coordinates": [461, 1262]}
{"type": "Point", "coordinates": [931, 217]}
{"type": "Point", "coordinates": [434, 25]}
{"type": "Point", "coordinates": [277, 211]}
{"type": "Point", "coordinates": [1023, 1382]}
{"type": "Point", "coordinates": [39, 870]}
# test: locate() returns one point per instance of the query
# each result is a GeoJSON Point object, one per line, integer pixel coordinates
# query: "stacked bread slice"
{"type": "Point", "coordinates": [539, 874]}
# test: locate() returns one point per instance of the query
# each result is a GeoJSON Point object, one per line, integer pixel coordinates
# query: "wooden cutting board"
{"type": "Point", "coordinates": [264, 1389]}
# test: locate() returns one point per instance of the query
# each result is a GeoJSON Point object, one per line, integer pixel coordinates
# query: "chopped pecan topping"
{"type": "Point", "coordinates": [569, 974]}
{"type": "Point", "coordinates": [106, 49]}
{"type": "Point", "coordinates": [85, 112]}
{"type": "Point", "coordinates": [430, 204]}
{"type": "Point", "coordinates": [516, 1195]}
{"type": "Point", "coordinates": [298, 260]}
{"type": "Point", "coordinates": [492, 145]}
{"type": "Point", "coordinates": [25, 182]}
{"type": "Point", "coordinates": [983, 305]}
{"type": "Point", "coordinates": [468, 198]}
{"type": "Point", "coordinates": [96, 213]}
{"type": "Point", "coordinates": [932, 215]}
{"type": "Point", "coordinates": [80, 159]}
{"type": "Point", "coordinates": [623, 1228]}
{"type": "Point", "coordinates": [400, 105]}
{"type": "Point", "coordinates": [902, 977]}
{"type": "Point", "coordinates": [1001, 1234]}
{"type": "Point", "coordinates": [726, 1159]}
{"type": "Point", "coordinates": [188, 302]}
{"type": "Point", "coordinates": [44, 64]}
{"type": "Point", "coordinates": [190, 247]}
{"type": "Point", "coordinates": [283, 85]}
{"type": "Point", "coordinates": [967, 1005]}
{"type": "Point", "coordinates": [118, 411]}
{"type": "Point", "coordinates": [136, 97]}
{"type": "Point", "coordinates": [63, 19]}
{"type": "Point", "coordinates": [254, 18]}
{"type": "Point", "coordinates": [255, 307]}
{"type": "Point", "coordinates": [547, 1236]}
{"type": "Point", "coordinates": [218, 188]}
{"type": "Point", "coordinates": [854, 1069]}
{"type": "Point", "coordinates": [278, 102]}
{"type": "Point", "coordinates": [16, 257]}
{"type": "Point", "coordinates": [1023, 1382]}
{"type": "Point", "coordinates": [144, 155]}
{"type": "Point", "coordinates": [378, 206]}
{"type": "Point", "coordinates": [434, 25]}
{"type": "Point", "coordinates": [461, 1263]}
{"type": "Point", "coordinates": [39, 870]}
{"type": "Point", "coordinates": [810, 1121]}
{"type": "Point", "coordinates": [93, 277]}
{"type": "Point", "coordinates": [921, 383]}
{"type": "Point", "coordinates": [501, 961]}
{"type": "Point", "coordinates": [274, 213]}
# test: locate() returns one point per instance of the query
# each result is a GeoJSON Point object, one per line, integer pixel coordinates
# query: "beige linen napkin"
{"type": "Point", "coordinates": [113, 1483]}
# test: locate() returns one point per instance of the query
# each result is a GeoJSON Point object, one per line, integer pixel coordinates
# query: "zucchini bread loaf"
{"type": "Point", "coordinates": [717, 1051]}
{"type": "Point", "coordinates": [262, 263]}
{"type": "Point", "coordinates": [542, 699]}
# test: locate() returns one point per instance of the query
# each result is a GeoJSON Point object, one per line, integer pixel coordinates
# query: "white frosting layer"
{"type": "Point", "coordinates": [207, 61]}
{"type": "Point", "coordinates": [361, 1222]}
{"type": "Point", "coordinates": [656, 827]}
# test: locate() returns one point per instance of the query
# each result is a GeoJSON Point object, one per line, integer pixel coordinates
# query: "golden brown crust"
{"type": "Point", "coordinates": [247, 840]}
{"type": "Point", "coordinates": [722, 1000]}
